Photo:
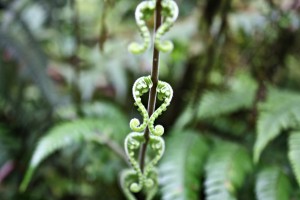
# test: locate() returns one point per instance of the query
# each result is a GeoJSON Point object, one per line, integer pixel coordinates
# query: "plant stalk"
{"type": "Point", "coordinates": [154, 78]}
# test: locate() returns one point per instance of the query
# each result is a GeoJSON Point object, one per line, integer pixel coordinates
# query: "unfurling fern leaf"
{"type": "Point", "coordinates": [240, 95]}
{"type": "Point", "coordinates": [66, 134]}
{"type": "Point", "coordinates": [294, 153]}
{"type": "Point", "coordinates": [225, 171]}
{"type": "Point", "coordinates": [181, 166]}
{"type": "Point", "coordinates": [272, 184]}
{"type": "Point", "coordinates": [279, 112]}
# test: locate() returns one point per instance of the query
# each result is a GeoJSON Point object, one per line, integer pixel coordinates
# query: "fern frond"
{"type": "Point", "coordinates": [97, 110]}
{"type": "Point", "coordinates": [294, 153]}
{"type": "Point", "coordinates": [240, 95]}
{"type": "Point", "coordinates": [66, 134]}
{"type": "Point", "coordinates": [181, 166]}
{"type": "Point", "coordinates": [272, 184]}
{"type": "Point", "coordinates": [225, 170]}
{"type": "Point", "coordinates": [279, 112]}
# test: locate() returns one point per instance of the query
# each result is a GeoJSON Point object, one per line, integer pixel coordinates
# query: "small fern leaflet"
{"type": "Point", "coordinates": [272, 184]}
{"type": "Point", "coordinates": [182, 165]}
{"type": "Point", "coordinates": [294, 153]}
{"type": "Point", "coordinates": [225, 171]}
{"type": "Point", "coordinates": [240, 95]}
{"type": "Point", "coordinates": [280, 111]}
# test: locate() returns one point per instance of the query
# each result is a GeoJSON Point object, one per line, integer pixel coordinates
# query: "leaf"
{"type": "Point", "coordinates": [181, 167]}
{"type": "Point", "coordinates": [272, 184]}
{"type": "Point", "coordinates": [279, 112]}
{"type": "Point", "coordinates": [225, 170]}
{"type": "Point", "coordinates": [97, 110]}
{"type": "Point", "coordinates": [294, 153]}
{"type": "Point", "coordinates": [240, 95]}
{"type": "Point", "coordinates": [66, 134]}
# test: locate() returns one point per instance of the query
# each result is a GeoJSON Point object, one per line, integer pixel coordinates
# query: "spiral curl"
{"type": "Point", "coordinates": [170, 11]}
{"type": "Point", "coordinates": [141, 86]}
{"type": "Point", "coordinates": [165, 94]}
{"type": "Point", "coordinates": [142, 12]}
{"type": "Point", "coordinates": [128, 177]}
{"type": "Point", "coordinates": [132, 142]}
{"type": "Point", "coordinates": [157, 144]}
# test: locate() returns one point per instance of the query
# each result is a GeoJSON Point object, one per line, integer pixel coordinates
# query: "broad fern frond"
{"type": "Point", "coordinates": [272, 184]}
{"type": "Point", "coordinates": [294, 153]}
{"type": "Point", "coordinates": [226, 169]}
{"type": "Point", "coordinates": [240, 95]}
{"type": "Point", "coordinates": [97, 110]}
{"type": "Point", "coordinates": [66, 134]}
{"type": "Point", "coordinates": [182, 165]}
{"type": "Point", "coordinates": [279, 112]}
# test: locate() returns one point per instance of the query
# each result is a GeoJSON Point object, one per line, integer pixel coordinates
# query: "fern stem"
{"type": "Point", "coordinates": [154, 78]}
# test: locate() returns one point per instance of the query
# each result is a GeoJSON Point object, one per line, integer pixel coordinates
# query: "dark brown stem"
{"type": "Point", "coordinates": [154, 78]}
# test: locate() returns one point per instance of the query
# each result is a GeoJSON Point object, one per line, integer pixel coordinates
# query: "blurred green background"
{"type": "Point", "coordinates": [232, 130]}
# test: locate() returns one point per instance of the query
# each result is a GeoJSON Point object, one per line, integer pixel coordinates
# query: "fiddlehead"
{"type": "Point", "coordinates": [170, 11]}
{"type": "Point", "coordinates": [157, 144]}
{"type": "Point", "coordinates": [134, 180]}
{"type": "Point", "coordinates": [128, 177]}
{"type": "Point", "coordinates": [142, 12]}
{"type": "Point", "coordinates": [165, 94]}
{"type": "Point", "coordinates": [141, 86]}
{"type": "Point", "coordinates": [151, 191]}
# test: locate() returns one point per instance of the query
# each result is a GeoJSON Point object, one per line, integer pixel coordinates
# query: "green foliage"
{"type": "Point", "coordinates": [294, 153]}
{"type": "Point", "coordinates": [63, 62]}
{"type": "Point", "coordinates": [226, 170]}
{"type": "Point", "coordinates": [240, 94]}
{"type": "Point", "coordinates": [280, 112]}
{"type": "Point", "coordinates": [96, 110]}
{"type": "Point", "coordinates": [272, 184]}
{"type": "Point", "coordinates": [182, 165]}
{"type": "Point", "coordinates": [66, 134]}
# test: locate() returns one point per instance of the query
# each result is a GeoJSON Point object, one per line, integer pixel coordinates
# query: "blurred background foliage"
{"type": "Point", "coordinates": [65, 84]}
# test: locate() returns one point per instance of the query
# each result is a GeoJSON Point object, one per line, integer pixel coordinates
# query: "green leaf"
{"type": "Point", "coordinates": [181, 167]}
{"type": "Point", "coordinates": [272, 184]}
{"type": "Point", "coordinates": [66, 134]}
{"type": "Point", "coordinates": [279, 112]}
{"type": "Point", "coordinates": [225, 170]}
{"type": "Point", "coordinates": [97, 110]}
{"type": "Point", "coordinates": [294, 153]}
{"type": "Point", "coordinates": [240, 95]}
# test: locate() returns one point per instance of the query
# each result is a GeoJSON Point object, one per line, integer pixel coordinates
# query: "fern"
{"type": "Point", "coordinates": [180, 169]}
{"type": "Point", "coordinates": [96, 110]}
{"type": "Point", "coordinates": [272, 184]}
{"type": "Point", "coordinates": [240, 95]}
{"type": "Point", "coordinates": [226, 169]}
{"type": "Point", "coordinates": [294, 153]}
{"type": "Point", "coordinates": [66, 134]}
{"type": "Point", "coordinates": [280, 111]}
